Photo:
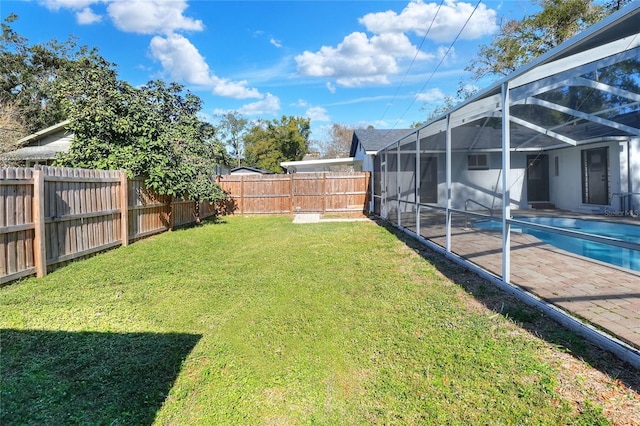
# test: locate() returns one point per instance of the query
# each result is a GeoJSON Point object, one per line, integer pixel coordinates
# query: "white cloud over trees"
{"type": "Point", "coordinates": [269, 105]}
{"type": "Point", "coordinates": [431, 95]}
{"type": "Point", "coordinates": [359, 59]}
{"type": "Point", "coordinates": [152, 16]}
{"type": "Point", "coordinates": [86, 16]}
{"type": "Point", "coordinates": [179, 58]}
{"type": "Point", "coordinates": [317, 114]}
{"type": "Point", "coordinates": [183, 62]}
{"type": "Point", "coordinates": [362, 59]}
{"type": "Point", "coordinates": [417, 17]}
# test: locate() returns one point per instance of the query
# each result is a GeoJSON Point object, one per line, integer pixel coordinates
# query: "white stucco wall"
{"type": "Point", "coordinates": [566, 188]}
{"type": "Point", "coordinates": [482, 186]}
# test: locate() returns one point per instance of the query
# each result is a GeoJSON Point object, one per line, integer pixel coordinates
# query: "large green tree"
{"type": "Point", "coordinates": [12, 129]}
{"type": "Point", "coordinates": [152, 131]}
{"type": "Point", "coordinates": [268, 143]}
{"type": "Point", "coordinates": [30, 74]}
{"type": "Point", "coordinates": [520, 41]}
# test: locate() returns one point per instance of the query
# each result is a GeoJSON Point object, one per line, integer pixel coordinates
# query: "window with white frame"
{"type": "Point", "coordinates": [478, 162]}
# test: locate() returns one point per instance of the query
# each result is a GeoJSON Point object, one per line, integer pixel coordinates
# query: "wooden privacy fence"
{"type": "Point", "coordinates": [52, 215]}
{"type": "Point", "coordinates": [327, 192]}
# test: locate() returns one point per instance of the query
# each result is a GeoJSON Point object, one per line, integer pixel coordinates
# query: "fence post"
{"type": "Point", "coordinates": [324, 192]}
{"type": "Point", "coordinates": [39, 245]}
{"type": "Point", "coordinates": [124, 209]}
{"type": "Point", "coordinates": [291, 187]}
{"type": "Point", "coordinates": [171, 213]}
{"type": "Point", "coordinates": [242, 195]}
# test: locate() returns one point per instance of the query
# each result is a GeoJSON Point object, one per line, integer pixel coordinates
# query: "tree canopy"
{"type": "Point", "coordinates": [152, 131]}
{"type": "Point", "coordinates": [519, 42]}
{"type": "Point", "coordinates": [267, 143]}
{"type": "Point", "coordinates": [11, 128]}
{"type": "Point", "coordinates": [232, 128]}
{"type": "Point", "coordinates": [338, 142]}
{"type": "Point", "coordinates": [30, 74]}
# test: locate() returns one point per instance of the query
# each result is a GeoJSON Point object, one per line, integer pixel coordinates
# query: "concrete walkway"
{"type": "Point", "coordinates": [301, 218]}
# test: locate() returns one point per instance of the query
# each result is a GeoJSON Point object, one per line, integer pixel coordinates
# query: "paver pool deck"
{"type": "Point", "coordinates": [606, 296]}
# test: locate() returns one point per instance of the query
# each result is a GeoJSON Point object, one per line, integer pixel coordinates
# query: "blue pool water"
{"type": "Point", "coordinates": [619, 256]}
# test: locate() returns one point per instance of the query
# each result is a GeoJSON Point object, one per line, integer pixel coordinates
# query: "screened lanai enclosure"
{"type": "Point", "coordinates": [536, 181]}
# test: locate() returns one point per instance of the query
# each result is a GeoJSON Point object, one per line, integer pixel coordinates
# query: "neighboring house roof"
{"type": "Point", "coordinates": [318, 165]}
{"type": "Point", "coordinates": [373, 140]}
{"type": "Point", "coordinates": [249, 171]}
{"type": "Point", "coordinates": [43, 145]}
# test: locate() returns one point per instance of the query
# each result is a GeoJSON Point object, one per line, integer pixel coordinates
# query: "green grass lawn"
{"type": "Point", "coordinates": [257, 321]}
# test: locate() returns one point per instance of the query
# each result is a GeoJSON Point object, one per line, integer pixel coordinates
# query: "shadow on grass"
{"type": "Point", "coordinates": [527, 317]}
{"type": "Point", "coordinates": [57, 377]}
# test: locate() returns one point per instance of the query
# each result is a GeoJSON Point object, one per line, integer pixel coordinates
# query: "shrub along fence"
{"type": "Point", "coordinates": [325, 193]}
{"type": "Point", "coordinates": [51, 215]}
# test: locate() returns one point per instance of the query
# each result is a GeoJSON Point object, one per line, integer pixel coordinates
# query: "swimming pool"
{"type": "Point", "coordinates": [619, 256]}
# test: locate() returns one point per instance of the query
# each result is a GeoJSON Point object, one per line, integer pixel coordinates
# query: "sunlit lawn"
{"type": "Point", "coordinates": [258, 321]}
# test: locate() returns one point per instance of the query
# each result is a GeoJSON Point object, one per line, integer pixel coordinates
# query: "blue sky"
{"type": "Point", "coordinates": [357, 63]}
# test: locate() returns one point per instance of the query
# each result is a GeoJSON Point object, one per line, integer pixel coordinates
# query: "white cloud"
{"type": "Point", "coordinates": [152, 16]}
{"type": "Point", "coordinates": [317, 114]}
{"type": "Point", "coordinates": [87, 17]}
{"type": "Point", "coordinates": [68, 4]}
{"type": "Point", "coordinates": [275, 42]}
{"type": "Point", "coordinates": [359, 59]}
{"type": "Point", "coordinates": [270, 104]}
{"type": "Point", "coordinates": [301, 103]}
{"type": "Point", "coordinates": [417, 17]}
{"type": "Point", "coordinates": [181, 59]}
{"type": "Point", "coordinates": [134, 16]}
{"type": "Point", "coordinates": [234, 89]}
{"type": "Point", "coordinates": [430, 95]}
{"type": "Point", "coordinates": [330, 87]}
{"type": "Point", "coordinates": [183, 62]}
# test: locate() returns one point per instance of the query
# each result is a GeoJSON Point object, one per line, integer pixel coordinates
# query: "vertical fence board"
{"type": "Point", "coordinates": [39, 244]}
{"type": "Point", "coordinates": [11, 216]}
{"type": "Point", "coordinates": [123, 195]}
{"type": "Point", "coordinates": [3, 221]}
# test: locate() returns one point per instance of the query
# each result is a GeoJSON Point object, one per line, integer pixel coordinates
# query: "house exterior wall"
{"type": "Point", "coordinates": [484, 186]}
{"type": "Point", "coordinates": [566, 187]}
{"type": "Point", "coordinates": [61, 139]}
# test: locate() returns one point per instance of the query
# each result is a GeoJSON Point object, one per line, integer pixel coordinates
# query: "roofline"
{"type": "Point", "coordinates": [44, 132]}
{"type": "Point", "coordinates": [324, 161]}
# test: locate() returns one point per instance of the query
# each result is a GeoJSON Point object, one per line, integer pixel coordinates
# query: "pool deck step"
{"type": "Point", "coordinates": [543, 206]}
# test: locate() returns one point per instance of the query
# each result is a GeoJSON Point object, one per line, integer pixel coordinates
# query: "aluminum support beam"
{"type": "Point", "coordinates": [448, 170]}
{"type": "Point", "coordinates": [418, 183]}
{"type": "Point", "coordinates": [506, 192]}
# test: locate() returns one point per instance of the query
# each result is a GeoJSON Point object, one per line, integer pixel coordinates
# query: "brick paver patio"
{"type": "Point", "coordinates": [606, 296]}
